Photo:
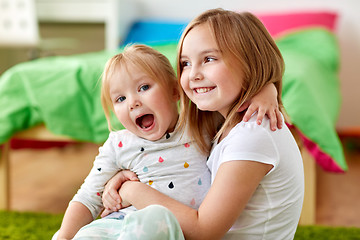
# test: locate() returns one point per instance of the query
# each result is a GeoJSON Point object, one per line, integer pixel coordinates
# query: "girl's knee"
{"type": "Point", "coordinates": [158, 209]}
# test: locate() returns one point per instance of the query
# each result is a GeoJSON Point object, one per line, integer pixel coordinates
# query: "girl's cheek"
{"type": "Point", "coordinates": [183, 81]}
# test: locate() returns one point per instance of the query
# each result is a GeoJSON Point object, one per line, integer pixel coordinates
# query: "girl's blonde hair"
{"type": "Point", "coordinates": [146, 59]}
{"type": "Point", "coordinates": [247, 49]}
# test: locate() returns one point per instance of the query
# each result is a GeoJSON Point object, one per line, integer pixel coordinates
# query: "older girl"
{"type": "Point", "coordinates": [224, 59]}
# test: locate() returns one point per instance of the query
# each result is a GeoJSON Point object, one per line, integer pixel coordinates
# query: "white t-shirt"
{"type": "Point", "coordinates": [172, 165]}
{"type": "Point", "coordinates": [274, 209]}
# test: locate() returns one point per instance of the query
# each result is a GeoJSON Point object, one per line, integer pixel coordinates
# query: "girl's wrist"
{"type": "Point", "coordinates": [125, 191]}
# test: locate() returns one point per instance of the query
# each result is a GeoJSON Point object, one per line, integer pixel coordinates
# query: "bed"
{"type": "Point", "coordinates": [58, 98]}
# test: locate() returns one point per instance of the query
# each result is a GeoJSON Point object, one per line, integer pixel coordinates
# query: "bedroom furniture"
{"type": "Point", "coordinates": [19, 29]}
{"type": "Point", "coordinates": [18, 26]}
{"type": "Point", "coordinates": [38, 133]}
{"type": "Point", "coordinates": [108, 12]}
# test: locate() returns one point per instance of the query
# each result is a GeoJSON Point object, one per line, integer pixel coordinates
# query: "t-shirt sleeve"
{"type": "Point", "coordinates": [103, 169]}
{"type": "Point", "coordinates": [251, 142]}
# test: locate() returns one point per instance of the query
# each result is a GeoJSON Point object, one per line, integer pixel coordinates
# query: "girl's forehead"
{"type": "Point", "coordinates": [135, 73]}
{"type": "Point", "coordinates": [203, 28]}
{"type": "Point", "coordinates": [199, 39]}
{"type": "Point", "coordinates": [128, 70]}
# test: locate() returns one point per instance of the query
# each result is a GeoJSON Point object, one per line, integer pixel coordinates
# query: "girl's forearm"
{"type": "Point", "coordinates": [186, 216]}
{"type": "Point", "coordinates": [76, 216]}
{"type": "Point", "coordinates": [208, 222]}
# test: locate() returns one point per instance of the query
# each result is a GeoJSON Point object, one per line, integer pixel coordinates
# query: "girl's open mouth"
{"type": "Point", "coordinates": [145, 121]}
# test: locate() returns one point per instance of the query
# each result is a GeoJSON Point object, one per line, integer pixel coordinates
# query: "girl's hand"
{"type": "Point", "coordinates": [111, 198]}
{"type": "Point", "coordinates": [108, 211]}
{"type": "Point", "coordinates": [265, 102]}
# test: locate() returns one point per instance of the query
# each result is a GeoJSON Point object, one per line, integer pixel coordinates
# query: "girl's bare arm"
{"type": "Point", "coordinates": [233, 186]}
{"type": "Point", "coordinates": [76, 216]}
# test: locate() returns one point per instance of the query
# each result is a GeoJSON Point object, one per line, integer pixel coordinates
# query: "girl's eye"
{"type": "Point", "coordinates": [120, 99]}
{"type": "Point", "coordinates": [209, 59]}
{"type": "Point", "coordinates": [144, 87]}
{"type": "Point", "coordinates": [185, 63]}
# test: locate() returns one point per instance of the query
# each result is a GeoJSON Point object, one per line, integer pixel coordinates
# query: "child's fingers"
{"type": "Point", "coordinates": [109, 203]}
{"type": "Point", "coordinates": [111, 199]}
{"type": "Point", "coordinates": [260, 116]}
{"type": "Point", "coordinates": [273, 120]}
{"type": "Point", "coordinates": [130, 175]}
{"type": "Point", "coordinates": [279, 118]}
{"type": "Point", "coordinates": [249, 112]}
{"type": "Point", "coordinates": [105, 212]}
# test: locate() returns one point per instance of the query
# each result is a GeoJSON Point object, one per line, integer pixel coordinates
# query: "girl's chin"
{"type": "Point", "coordinates": [205, 108]}
{"type": "Point", "coordinates": [153, 136]}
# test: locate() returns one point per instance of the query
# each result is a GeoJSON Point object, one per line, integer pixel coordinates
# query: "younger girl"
{"type": "Point", "coordinates": [224, 59]}
{"type": "Point", "coordinates": [139, 86]}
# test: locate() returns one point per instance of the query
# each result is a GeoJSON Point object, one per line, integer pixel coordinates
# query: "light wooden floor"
{"type": "Point", "coordinates": [45, 181]}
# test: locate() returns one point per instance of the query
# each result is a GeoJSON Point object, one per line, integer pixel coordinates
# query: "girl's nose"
{"type": "Point", "coordinates": [134, 103]}
{"type": "Point", "coordinates": [195, 73]}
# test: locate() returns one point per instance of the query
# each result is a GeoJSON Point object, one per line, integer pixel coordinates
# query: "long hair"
{"type": "Point", "coordinates": [247, 49]}
{"type": "Point", "coordinates": [146, 59]}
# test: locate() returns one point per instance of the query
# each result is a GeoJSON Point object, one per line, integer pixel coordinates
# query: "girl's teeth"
{"type": "Point", "coordinates": [203, 90]}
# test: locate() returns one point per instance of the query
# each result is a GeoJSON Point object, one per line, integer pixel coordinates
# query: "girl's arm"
{"type": "Point", "coordinates": [265, 102]}
{"type": "Point", "coordinates": [76, 216]}
{"type": "Point", "coordinates": [110, 197]}
{"type": "Point", "coordinates": [232, 188]}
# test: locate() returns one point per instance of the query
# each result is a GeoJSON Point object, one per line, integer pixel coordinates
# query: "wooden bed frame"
{"type": "Point", "coordinates": [40, 133]}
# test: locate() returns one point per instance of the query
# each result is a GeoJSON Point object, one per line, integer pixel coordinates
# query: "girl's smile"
{"type": "Point", "coordinates": [203, 89]}
{"type": "Point", "coordinates": [205, 77]}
